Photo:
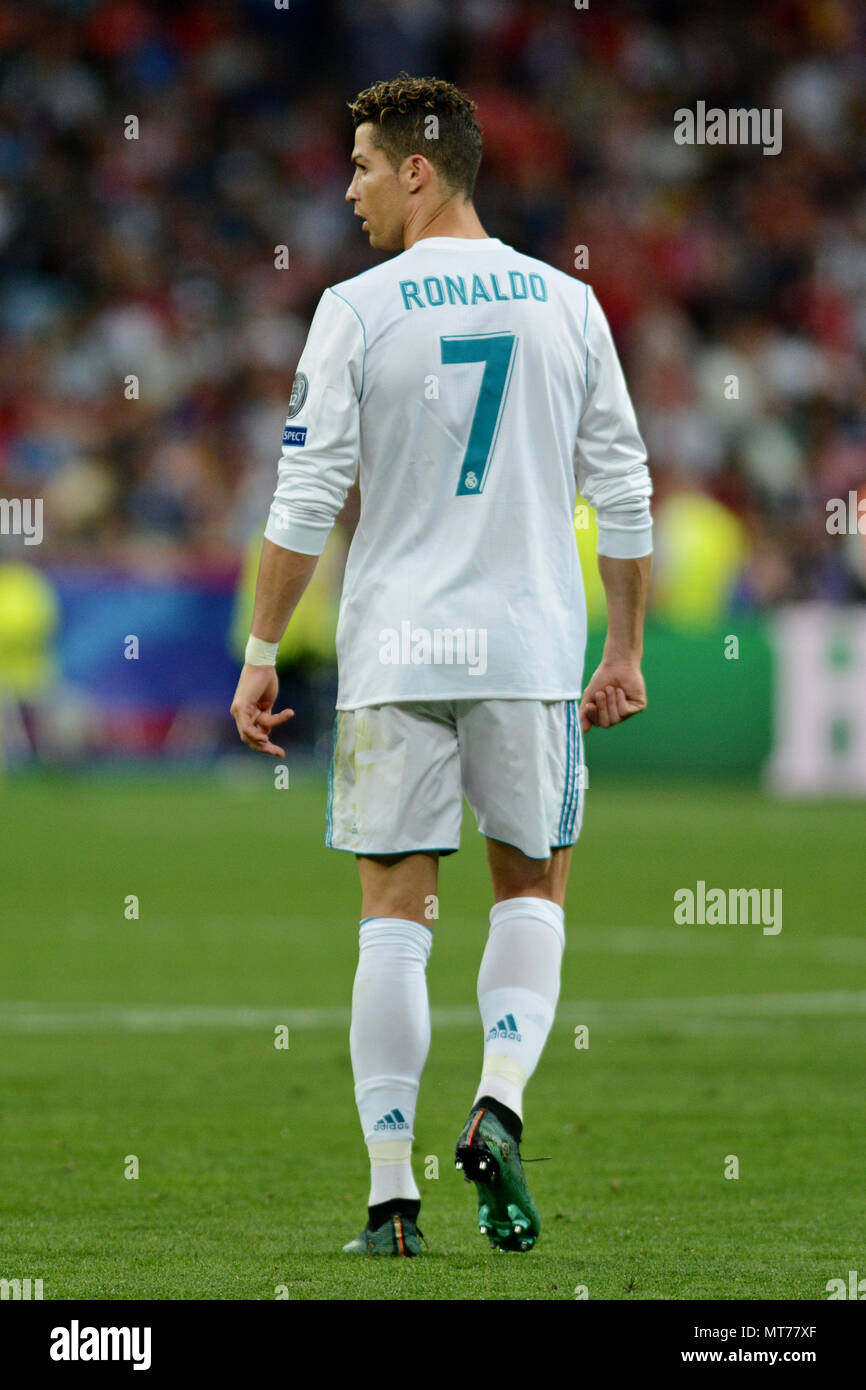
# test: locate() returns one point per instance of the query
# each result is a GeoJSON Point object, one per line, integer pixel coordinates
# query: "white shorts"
{"type": "Point", "coordinates": [400, 771]}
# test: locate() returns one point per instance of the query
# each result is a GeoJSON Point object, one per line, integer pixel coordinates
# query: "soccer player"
{"type": "Point", "coordinates": [475, 388]}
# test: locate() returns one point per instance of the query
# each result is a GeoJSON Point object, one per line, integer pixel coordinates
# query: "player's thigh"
{"type": "Point", "coordinates": [514, 875]}
{"type": "Point", "coordinates": [395, 782]}
{"type": "Point", "coordinates": [399, 886]}
{"type": "Point", "coordinates": [521, 771]}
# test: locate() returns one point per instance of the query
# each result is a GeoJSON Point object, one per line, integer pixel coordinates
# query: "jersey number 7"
{"type": "Point", "coordinates": [496, 351]}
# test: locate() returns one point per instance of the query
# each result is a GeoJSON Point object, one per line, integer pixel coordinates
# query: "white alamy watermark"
{"type": "Point", "coordinates": [846, 518]}
{"type": "Point", "coordinates": [22, 516]}
{"type": "Point", "coordinates": [734, 907]}
{"type": "Point", "coordinates": [77, 1343]}
{"type": "Point", "coordinates": [856, 1287]}
{"type": "Point", "coordinates": [20, 1289]}
{"type": "Point", "coordinates": [737, 126]}
{"type": "Point", "coordinates": [439, 646]}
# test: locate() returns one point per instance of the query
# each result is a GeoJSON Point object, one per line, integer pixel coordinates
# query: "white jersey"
{"type": "Point", "coordinates": [477, 389]}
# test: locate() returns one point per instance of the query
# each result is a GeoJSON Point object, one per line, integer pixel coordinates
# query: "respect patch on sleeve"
{"type": "Point", "coordinates": [295, 435]}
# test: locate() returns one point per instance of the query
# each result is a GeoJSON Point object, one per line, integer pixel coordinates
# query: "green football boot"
{"type": "Point", "coordinates": [398, 1236]}
{"type": "Point", "coordinates": [490, 1157]}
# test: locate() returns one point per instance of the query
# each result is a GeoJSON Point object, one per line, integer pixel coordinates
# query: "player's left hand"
{"type": "Point", "coordinates": [615, 692]}
{"type": "Point", "coordinates": [258, 687]}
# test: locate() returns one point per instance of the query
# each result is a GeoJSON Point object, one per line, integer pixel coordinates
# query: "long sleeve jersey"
{"type": "Point", "coordinates": [474, 390]}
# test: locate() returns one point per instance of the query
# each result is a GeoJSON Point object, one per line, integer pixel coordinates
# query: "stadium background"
{"type": "Point", "coordinates": [154, 258]}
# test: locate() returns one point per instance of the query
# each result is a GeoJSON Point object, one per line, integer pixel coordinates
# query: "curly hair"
{"type": "Point", "coordinates": [401, 109]}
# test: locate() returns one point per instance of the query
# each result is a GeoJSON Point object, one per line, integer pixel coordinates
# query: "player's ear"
{"type": "Point", "coordinates": [417, 171]}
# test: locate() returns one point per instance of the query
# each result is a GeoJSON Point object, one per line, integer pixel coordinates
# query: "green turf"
{"type": "Point", "coordinates": [252, 1169]}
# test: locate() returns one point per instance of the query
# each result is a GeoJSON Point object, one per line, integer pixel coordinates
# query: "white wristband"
{"type": "Point", "coordinates": [259, 653]}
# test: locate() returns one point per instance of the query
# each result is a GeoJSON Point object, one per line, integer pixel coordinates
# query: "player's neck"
{"type": "Point", "coordinates": [453, 220]}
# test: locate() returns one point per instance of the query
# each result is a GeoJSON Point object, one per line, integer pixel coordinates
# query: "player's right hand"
{"type": "Point", "coordinates": [257, 689]}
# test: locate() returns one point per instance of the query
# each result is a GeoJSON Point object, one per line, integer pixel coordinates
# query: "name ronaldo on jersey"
{"type": "Point", "coordinates": [484, 289]}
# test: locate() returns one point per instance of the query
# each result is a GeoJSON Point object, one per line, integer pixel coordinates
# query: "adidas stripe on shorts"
{"type": "Point", "coordinates": [400, 771]}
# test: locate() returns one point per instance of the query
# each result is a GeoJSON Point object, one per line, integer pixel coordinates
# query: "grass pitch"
{"type": "Point", "coordinates": [153, 1039]}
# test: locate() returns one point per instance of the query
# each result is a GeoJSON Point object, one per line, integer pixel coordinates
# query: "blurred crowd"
{"type": "Point", "coordinates": [148, 341]}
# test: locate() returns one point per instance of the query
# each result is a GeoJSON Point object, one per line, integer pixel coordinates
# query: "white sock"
{"type": "Point", "coordinates": [518, 989]}
{"type": "Point", "coordinates": [389, 1041]}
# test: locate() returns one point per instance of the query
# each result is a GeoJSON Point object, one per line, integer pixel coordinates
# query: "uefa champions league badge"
{"type": "Point", "coordinates": [298, 396]}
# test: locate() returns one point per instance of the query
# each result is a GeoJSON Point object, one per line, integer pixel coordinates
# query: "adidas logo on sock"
{"type": "Point", "coordinates": [506, 1028]}
{"type": "Point", "coordinates": [393, 1120]}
